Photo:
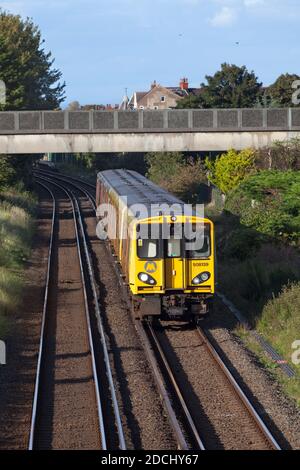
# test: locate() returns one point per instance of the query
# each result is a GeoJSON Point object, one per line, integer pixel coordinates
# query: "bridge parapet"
{"type": "Point", "coordinates": [148, 121]}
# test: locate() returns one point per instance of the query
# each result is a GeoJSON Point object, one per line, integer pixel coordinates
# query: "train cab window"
{"type": "Point", "coordinates": [173, 248]}
{"type": "Point", "coordinates": [147, 248]}
{"type": "Point", "coordinates": [199, 246]}
{"type": "Point", "coordinates": [172, 235]}
{"type": "Point", "coordinates": [148, 241]}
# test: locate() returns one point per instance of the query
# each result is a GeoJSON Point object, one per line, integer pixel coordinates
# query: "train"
{"type": "Point", "coordinates": [165, 253]}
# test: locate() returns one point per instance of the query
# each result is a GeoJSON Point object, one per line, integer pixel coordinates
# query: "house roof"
{"type": "Point", "coordinates": [141, 94]}
{"type": "Point", "coordinates": [182, 92]}
{"type": "Point", "coordinates": [176, 90]}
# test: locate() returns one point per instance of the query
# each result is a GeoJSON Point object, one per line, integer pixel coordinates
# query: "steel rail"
{"type": "Point", "coordinates": [181, 441]}
{"type": "Point", "coordinates": [93, 360]}
{"type": "Point", "coordinates": [239, 392]}
{"type": "Point", "coordinates": [67, 177]}
{"type": "Point", "coordinates": [179, 436]}
{"type": "Point", "coordinates": [268, 435]}
{"type": "Point", "coordinates": [187, 415]}
{"type": "Point", "coordinates": [158, 377]}
{"type": "Point", "coordinates": [74, 200]}
{"type": "Point", "coordinates": [273, 354]}
{"type": "Point", "coordinates": [42, 333]}
{"type": "Point", "coordinates": [102, 333]}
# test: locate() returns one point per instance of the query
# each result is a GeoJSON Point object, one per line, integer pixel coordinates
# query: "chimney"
{"type": "Point", "coordinates": [184, 84]}
{"type": "Point", "coordinates": [153, 85]}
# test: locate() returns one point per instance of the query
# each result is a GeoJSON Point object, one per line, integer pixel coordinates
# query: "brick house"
{"type": "Point", "coordinates": [160, 97]}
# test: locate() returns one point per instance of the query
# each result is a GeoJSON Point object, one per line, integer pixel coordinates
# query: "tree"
{"type": "Point", "coordinates": [16, 168]}
{"type": "Point", "coordinates": [282, 90]}
{"type": "Point", "coordinates": [26, 69]}
{"type": "Point", "coordinates": [73, 106]}
{"type": "Point", "coordinates": [230, 87]}
{"type": "Point", "coordinates": [7, 172]}
{"type": "Point", "coordinates": [191, 102]}
{"type": "Point", "coordinates": [190, 183]}
{"type": "Point", "coordinates": [269, 202]}
{"type": "Point", "coordinates": [184, 177]}
{"type": "Point", "coordinates": [163, 166]}
{"type": "Point", "coordinates": [230, 169]}
{"type": "Point", "coordinates": [266, 100]}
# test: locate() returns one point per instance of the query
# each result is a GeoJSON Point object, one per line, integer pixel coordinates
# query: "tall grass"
{"type": "Point", "coordinates": [251, 283]}
{"type": "Point", "coordinates": [280, 319]}
{"type": "Point", "coordinates": [16, 230]}
{"type": "Point", "coordinates": [266, 289]}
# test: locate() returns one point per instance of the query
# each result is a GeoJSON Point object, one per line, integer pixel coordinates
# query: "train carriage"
{"type": "Point", "coordinates": [166, 256]}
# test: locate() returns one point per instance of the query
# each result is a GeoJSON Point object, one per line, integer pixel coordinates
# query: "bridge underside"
{"type": "Point", "coordinates": [139, 142]}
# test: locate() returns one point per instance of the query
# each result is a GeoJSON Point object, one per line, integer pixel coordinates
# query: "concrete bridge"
{"type": "Point", "coordinates": [145, 131]}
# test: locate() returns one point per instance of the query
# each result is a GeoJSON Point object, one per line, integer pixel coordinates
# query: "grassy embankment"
{"type": "Point", "coordinates": [259, 262]}
{"type": "Point", "coordinates": [16, 230]}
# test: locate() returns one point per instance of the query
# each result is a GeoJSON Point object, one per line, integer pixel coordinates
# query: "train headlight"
{"type": "Point", "coordinates": [147, 279]}
{"type": "Point", "coordinates": [202, 277]}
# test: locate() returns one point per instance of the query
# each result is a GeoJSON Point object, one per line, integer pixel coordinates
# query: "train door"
{"type": "Point", "coordinates": [174, 262]}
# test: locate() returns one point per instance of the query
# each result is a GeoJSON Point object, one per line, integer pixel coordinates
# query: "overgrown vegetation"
{"type": "Point", "coordinates": [230, 169]}
{"type": "Point", "coordinates": [17, 206]}
{"type": "Point", "coordinates": [258, 241]}
{"type": "Point", "coordinates": [282, 156]}
{"type": "Point", "coordinates": [184, 177]}
{"type": "Point", "coordinates": [15, 169]}
{"type": "Point", "coordinates": [280, 319]}
{"type": "Point", "coordinates": [16, 229]}
{"type": "Point", "coordinates": [269, 202]}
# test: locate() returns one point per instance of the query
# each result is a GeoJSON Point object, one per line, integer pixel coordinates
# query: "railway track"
{"type": "Point", "coordinates": [197, 425]}
{"type": "Point", "coordinates": [262, 429]}
{"type": "Point", "coordinates": [210, 426]}
{"type": "Point", "coordinates": [71, 396]}
{"type": "Point", "coordinates": [224, 416]}
{"type": "Point", "coordinates": [181, 422]}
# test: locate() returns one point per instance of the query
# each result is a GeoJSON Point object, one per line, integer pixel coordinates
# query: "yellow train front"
{"type": "Point", "coordinates": [167, 258]}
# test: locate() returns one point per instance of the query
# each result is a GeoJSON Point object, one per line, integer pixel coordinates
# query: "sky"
{"type": "Point", "coordinates": [105, 46]}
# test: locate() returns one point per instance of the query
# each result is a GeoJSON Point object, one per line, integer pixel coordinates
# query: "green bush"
{"type": "Point", "coordinates": [7, 172]}
{"type": "Point", "coordinates": [163, 166]}
{"type": "Point", "coordinates": [241, 243]}
{"type": "Point", "coordinates": [269, 202]}
{"type": "Point", "coordinates": [230, 169]}
{"type": "Point", "coordinates": [184, 177]}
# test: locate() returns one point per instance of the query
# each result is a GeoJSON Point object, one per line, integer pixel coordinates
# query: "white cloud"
{"type": "Point", "coordinates": [225, 17]}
